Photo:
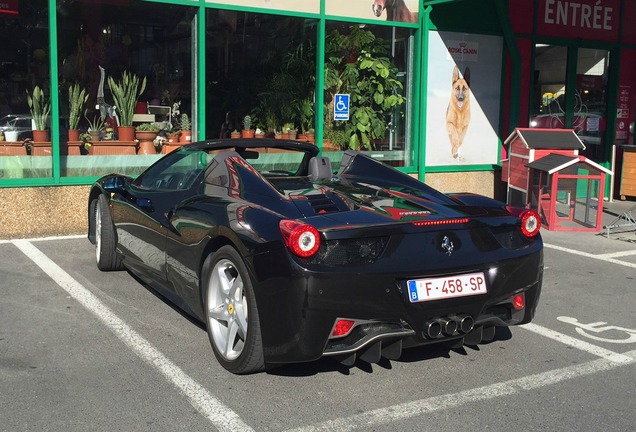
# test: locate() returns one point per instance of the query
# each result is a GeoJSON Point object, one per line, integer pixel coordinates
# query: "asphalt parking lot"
{"type": "Point", "coordinates": [85, 350]}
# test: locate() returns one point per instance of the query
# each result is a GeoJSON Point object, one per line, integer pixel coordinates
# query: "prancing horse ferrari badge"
{"type": "Point", "coordinates": [447, 245]}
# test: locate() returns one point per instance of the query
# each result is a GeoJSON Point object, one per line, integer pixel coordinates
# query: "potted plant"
{"type": "Point", "coordinates": [235, 134]}
{"type": "Point", "coordinates": [310, 135]}
{"type": "Point", "coordinates": [77, 97]}
{"type": "Point", "coordinates": [186, 132]}
{"type": "Point", "coordinates": [40, 109]}
{"type": "Point", "coordinates": [259, 133]}
{"type": "Point", "coordinates": [247, 131]}
{"type": "Point", "coordinates": [12, 146]}
{"type": "Point", "coordinates": [289, 131]}
{"type": "Point", "coordinates": [125, 93]}
{"type": "Point", "coordinates": [94, 126]}
{"type": "Point", "coordinates": [11, 133]}
{"type": "Point", "coordinates": [146, 133]}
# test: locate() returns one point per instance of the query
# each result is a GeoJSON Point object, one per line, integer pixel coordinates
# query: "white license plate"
{"type": "Point", "coordinates": [421, 290]}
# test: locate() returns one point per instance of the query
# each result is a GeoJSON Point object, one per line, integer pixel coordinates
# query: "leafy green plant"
{"type": "Point", "coordinates": [357, 63]}
{"type": "Point", "coordinates": [306, 114]}
{"type": "Point", "coordinates": [288, 127]}
{"type": "Point", "coordinates": [149, 127]}
{"type": "Point", "coordinates": [96, 124]}
{"type": "Point", "coordinates": [125, 93]}
{"type": "Point", "coordinates": [39, 108]}
{"type": "Point", "coordinates": [77, 97]}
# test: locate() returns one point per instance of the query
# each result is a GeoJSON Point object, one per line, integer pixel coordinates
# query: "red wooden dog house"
{"type": "Point", "coordinates": [526, 145]}
{"type": "Point", "coordinates": [544, 172]}
{"type": "Point", "coordinates": [567, 191]}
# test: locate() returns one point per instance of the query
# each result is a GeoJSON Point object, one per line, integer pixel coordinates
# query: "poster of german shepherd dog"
{"type": "Point", "coordinates": [458, 111]}
{"type": "Point", "coordinates": [463, 88]}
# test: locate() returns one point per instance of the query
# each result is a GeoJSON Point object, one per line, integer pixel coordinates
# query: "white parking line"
{"type": "Point", "coordinates": [619, 254]}
{"type": "Point", "coordinates": [368, 419]}
{"type": "Point", "coordinates": [222, 417]}
{"type": "Point", "coordinates": [607, 258]}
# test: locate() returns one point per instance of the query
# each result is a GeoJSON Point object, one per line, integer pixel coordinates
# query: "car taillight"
{"type": "Point", "coordinates": [342, 327]}
{"type": "Point", "coordinates": [302, 239]}
{"type": "Point", "coordinates": [530, 220]}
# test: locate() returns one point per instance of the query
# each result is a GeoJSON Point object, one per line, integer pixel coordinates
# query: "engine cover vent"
{"type": "Point", "coordinates": [322, 204]}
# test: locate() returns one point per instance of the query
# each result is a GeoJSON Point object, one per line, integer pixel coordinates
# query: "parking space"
{"type": "Point", "coordinates": [81, 349]}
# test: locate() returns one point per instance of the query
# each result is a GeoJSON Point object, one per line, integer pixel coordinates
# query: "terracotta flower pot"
{"type": "Point", "coordinates": [186, 136]}
{"type": "Point", "coordinates": [146, 144]}
{"type": "Point", "coordinates": [247, 133]}
{"type": "Point", "coordinates": [73, 135]}
{"type": "Point", "coordinates": [146, 148]}
{"type": "Point", "coordinates": [39, 135]}
{"type": "Point", "coordinates": [126, 133]}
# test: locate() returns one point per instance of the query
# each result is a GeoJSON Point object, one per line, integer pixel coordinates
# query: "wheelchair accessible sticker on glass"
{"type": "Point", "coordinates": [341, 107]}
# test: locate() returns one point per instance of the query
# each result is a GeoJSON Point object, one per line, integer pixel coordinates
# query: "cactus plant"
{"type": "Point", "coordinates": [247, 122]}
{"type": "Point", "coordinates": [185, 122]}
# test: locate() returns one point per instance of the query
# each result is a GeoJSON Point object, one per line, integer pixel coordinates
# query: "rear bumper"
{"type": "Point", "coordinates": [299, 308]}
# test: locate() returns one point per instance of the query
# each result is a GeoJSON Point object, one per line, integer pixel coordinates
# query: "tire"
{"type": "Point", "coordinates": [231, 314]}
{"type": "Point", "coordinates": [105, 240]}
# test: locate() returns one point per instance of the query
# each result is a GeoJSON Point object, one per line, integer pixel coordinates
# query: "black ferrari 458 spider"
{"type": "Point", "coordinates": [287, 258]}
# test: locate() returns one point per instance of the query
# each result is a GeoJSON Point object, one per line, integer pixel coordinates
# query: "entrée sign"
{"type": "Point", "coordinates": [586, 19]}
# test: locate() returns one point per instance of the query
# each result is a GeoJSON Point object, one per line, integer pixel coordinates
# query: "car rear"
{"type": "Point", "coordinates": [369, 290]}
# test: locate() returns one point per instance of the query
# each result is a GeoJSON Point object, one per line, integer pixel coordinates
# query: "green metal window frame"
{"type": "Point", "coordinates": [199, 74]}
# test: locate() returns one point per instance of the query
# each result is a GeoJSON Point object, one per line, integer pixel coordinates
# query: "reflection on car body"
{"type": "Point", "coordinates": [286, 261]}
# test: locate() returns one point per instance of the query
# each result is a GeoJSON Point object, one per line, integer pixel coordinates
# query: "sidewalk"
{"type": "Point", "coordinates": [599, 243]}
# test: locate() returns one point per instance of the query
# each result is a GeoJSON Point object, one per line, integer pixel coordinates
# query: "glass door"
{"type": "Point", "coordinates": [590, 107]}
{"type": "Point", "coordinates": [570, 91]}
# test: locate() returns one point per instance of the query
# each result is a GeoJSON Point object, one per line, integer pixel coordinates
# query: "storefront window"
{"type": "Point", "coordinates": [370, 66]}
{"type": "Point", "coordinates": [24, 67]}
{"type": "Point", "coordinates": [550, 64]}
{"type": "Point", "coordinates": [262, 67]}
{"type": "Point", "coordinates": [144, 46]}
{"type": "Point", "coordinates": [586, 115]}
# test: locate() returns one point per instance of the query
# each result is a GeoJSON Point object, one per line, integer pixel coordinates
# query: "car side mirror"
{"type": "Point", "coordinates": [114, 185]}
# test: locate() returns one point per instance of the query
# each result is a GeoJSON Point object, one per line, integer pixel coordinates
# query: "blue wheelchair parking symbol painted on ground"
{"type": "Point", "coordinates": [341, 107]}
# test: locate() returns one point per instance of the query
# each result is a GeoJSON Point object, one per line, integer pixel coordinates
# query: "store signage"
{"type": "Point", "coordinates": [8, 7]}
{"type": "Point", "coordinates": [586, 19]}
{"type": "Point", "coordinates": [622, 114]}
{"type": "Point", "coordinates": [467, 51]}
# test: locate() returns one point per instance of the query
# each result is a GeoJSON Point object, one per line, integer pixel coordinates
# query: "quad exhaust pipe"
{"type": "Point", "coordinates": [448, 326]}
